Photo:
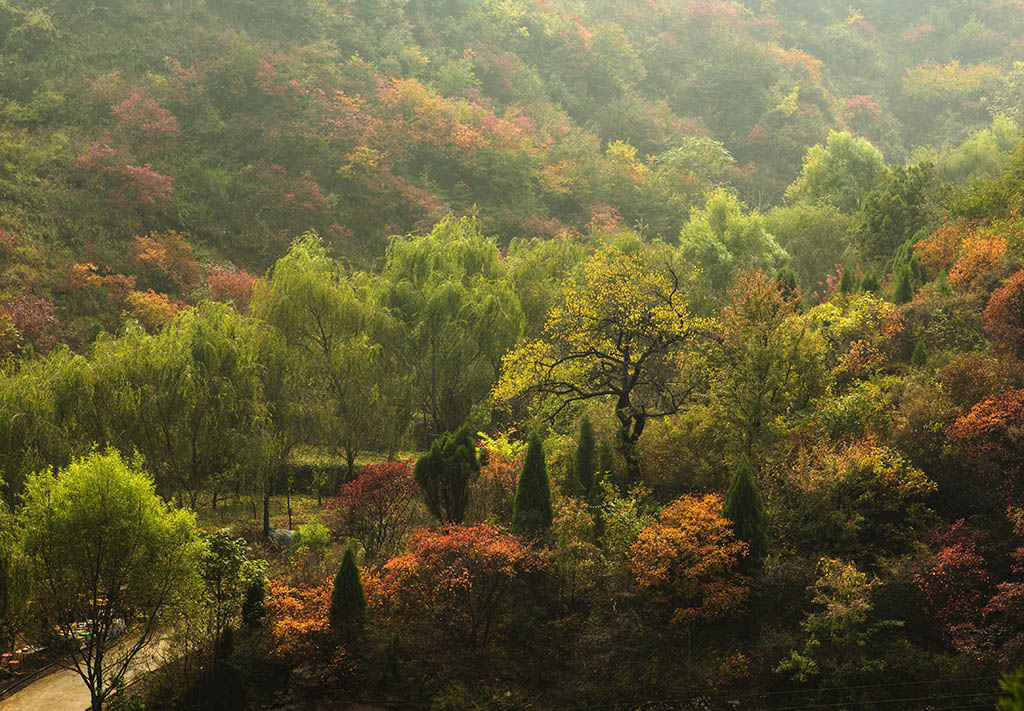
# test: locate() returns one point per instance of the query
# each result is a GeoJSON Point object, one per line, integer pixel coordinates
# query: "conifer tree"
{"type": "Point", "coordinates": [869, 284]}
{"type": "Point", "coordinates": [444, 473]}
{"type": "Point", "coordinates": [586, 457]}
{"type": "Point", "coordinates": [904, 287]}
{"type": "Point", "coordinates": [920, 356]}
{"type": "Point", "coordinates": [744, 508]}
{"type": "Point", "coordinates": [849, 282]}
{"type": "Point", "coordinates": [348, 603]}
{"type": "Point", "coordinates": [532, 510]}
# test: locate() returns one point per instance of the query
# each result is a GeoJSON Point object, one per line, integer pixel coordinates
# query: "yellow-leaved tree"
{"type": "Point", "coordinates": [623, 332]}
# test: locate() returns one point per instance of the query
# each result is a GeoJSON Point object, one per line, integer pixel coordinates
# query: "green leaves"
{"type": "Point", "coordinates": [458, 314]}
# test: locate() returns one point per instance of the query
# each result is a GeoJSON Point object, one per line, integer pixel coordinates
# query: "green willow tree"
{"type": "Point", "coordinates": [15, 585]}
{"type": "Point", "coordinates": [94, 531]}
{"type": "Point", "coordinates": [458, 314]}
{"type": "Point", "coordinates": [328, 321]}
{"type": "Point", "coordinates": [531, 513]}
{"type": "Point", "coordinates": [187, 398]}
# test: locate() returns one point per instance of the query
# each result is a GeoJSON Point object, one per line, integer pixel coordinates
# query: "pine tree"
{"type": "Point", "coordinates": [920, 356]}
{"type": "Point", "coordinates": [254, 603]}
{"type": "Point", "coordinates": [904, 285]}
{"type": "Point", "coordinates": [586, 457]}
{"type": "Point", "coordinates": [744, 508]}
{"type": "Point", "coordinates": [870, 284]}
{"type": "Point", "coordinates": [348, 603]}
{"type": "Point", "coordinates": [532, 509]}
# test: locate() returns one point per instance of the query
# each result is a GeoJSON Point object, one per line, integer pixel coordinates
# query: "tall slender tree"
{"type": "Point", "coordinates": [348, 602]}
{"type": "Point", "coordinates": [743, 506]}
{"type": "Point", "coordinates": [532, 513]}
{"type": "Point", "coordinates": [586, 457]}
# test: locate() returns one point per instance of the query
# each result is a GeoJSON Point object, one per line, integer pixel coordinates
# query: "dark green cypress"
{"type": "Point", "coordinates": [254, 603]}
{"type": "Point", "coordinates": [444, 473]}
{"type": "Point", "coordinates": [532, 509]}
{"type": "Point", "coordinates": [348, 603]}
{"type": "Point", "coordinates": [744, 508]}
{"type": "Point", "coordinates": [870, 284]}
{"type": "Point", "coordinates": [586, 457]}
{"type": "Point", "coordinates": [920, 356]}
{"type": "Point", "coordinates": [904, 291]}
{"type": "Point", "coordinates": [849, 282]}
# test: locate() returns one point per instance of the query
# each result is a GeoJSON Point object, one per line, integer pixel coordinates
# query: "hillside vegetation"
{"type": "Point", "coordinates": [602, 354]}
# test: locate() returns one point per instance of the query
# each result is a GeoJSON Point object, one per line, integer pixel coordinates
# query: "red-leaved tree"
{"type": "Point", "coordinates": [455, 582]}
{"type": "Point", "coordinates": [1004, 315]}
{"type": "Point", "coordinates": [993, 434]}
{"type": "Point", "coordinates": [957, 584]}
{"type": "Point", "coordinates": [375, 507]}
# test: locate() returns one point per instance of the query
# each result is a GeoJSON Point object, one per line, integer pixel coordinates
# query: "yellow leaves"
{"type": "Point", "coordinates": [360, 159]}
{"type": "Point", "coordinates": [618, 294]}
{"type": "Point", "coordinates": [953, 81]}
{"type": "Point", "coordinates": [520, 369]}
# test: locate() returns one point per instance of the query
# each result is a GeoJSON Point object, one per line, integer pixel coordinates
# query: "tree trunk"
{"type": "Point", "coordinates": [631, 426]}
{"type": "Point", "coordinates": [350, 460]}
{"type": "Point", "coordinates": [97, 682]}
{"type": "Point", "coordinates": [289, 498]}
{"type": "Point", "coordinates": [266, 512]}
{"type": "Point", "coordinates": [214, 499]}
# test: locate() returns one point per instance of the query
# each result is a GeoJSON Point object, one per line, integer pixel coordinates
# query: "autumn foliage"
{"type": "Point", "coordinates": [687, 563]}
{"type": "Point", "coordinates": [375, 506]}
{"type": "Point", "coordinates": [957, 584]}
{"type": "Point", "coordinates": [1004, 315]}
{"type": "Point", "coordinates": [298, 618]}
{"type": "Point", "coordinates": [457, 581]}
{"type": "Point", "coordinates": [992, 432]}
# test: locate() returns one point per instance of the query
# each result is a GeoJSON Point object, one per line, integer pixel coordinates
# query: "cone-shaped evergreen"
{"type": "Point", "coordinates": [849, 281]}
{"type": "Point", "coordinates": [870, 284]}
{"type": "Point", "coordinates": [904, 286]}
{"type": "Point", "coordinates": [920, 356]}
{"type": "Point", "coordinates": [348, 603]}
{"type": "Point", "coordinates": [586, 457]}
{"type": "Point", "coordinates": [532, 513]}
{"type": "Point", "coordinates": [744, 508]}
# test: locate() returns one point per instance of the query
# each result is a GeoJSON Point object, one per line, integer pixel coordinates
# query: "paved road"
{"type": "Point", "coordinates": [63, 690]}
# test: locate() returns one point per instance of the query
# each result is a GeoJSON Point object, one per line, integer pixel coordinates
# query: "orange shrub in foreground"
{"type": "Point", "coordinates": [455, 581]}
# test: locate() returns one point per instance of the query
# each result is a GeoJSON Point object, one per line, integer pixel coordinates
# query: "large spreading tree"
{"type": "Point", "coordinates": [623, 333]}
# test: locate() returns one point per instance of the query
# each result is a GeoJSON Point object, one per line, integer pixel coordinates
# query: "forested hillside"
{"type": "Point", "coordinates": [202, 138]}
{"type": "Point", "coordinates": [491, 355]}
